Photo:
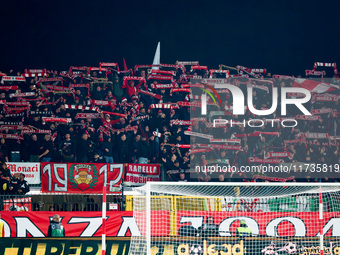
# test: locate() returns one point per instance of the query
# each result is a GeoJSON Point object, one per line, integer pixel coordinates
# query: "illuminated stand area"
{"type": "Point", "coordinates": [237, 218]}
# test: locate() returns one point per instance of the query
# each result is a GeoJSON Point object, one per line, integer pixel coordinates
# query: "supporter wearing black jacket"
{"type": "Point", "coordinates": [33, 149]}
{"type": "Point", "coordinates": [144, 152]}
{"type": "Point", "coordinates": [123, 150]}
{"type": "Point", "coordinates": [81, 100]}
{"type": "Point", "coordinates": [84, 147]}
{"type": "Point", "coordinates": [14, 147]}
{"type": "Point", "coordinates": [36, 122]}
{"type": "Point", "coordinates": [21, 186]}
{"type": "Point", "coordinates": [107, 149]}
{"type": "Point", "coordinates": [46, 149]}
{"type": "Point", "coordinates": [5, 171]}
{"type": "Point", "coordinates": [98, 94]}
{"type": "Point", "coordinates": [135, 148]}
{"type": "Point", "coordinates": [67, 149]}
{"type": "Point", "coordinates": [3, 151]}
{"type": "Point", "coordinates": [154, 149]}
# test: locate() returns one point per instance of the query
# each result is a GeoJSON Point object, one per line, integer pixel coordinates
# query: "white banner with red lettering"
{"type": "Point", "coordinates": [31, 171]}
{"type": "Point", "coordinates": [139, 174]}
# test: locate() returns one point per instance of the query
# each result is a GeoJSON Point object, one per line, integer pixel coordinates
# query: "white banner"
{"type": "Point", "coordinates": [31, 171]}
{"type": "Point", "coordinates": [139, 174]}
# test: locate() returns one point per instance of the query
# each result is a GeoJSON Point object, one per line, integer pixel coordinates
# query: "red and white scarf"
{"type": "Point", "coordinates": [198, 134]}
{"type": "Point", "coordinates": [105, 131]}
{"type": "Point", "coordinates": [17, 103]}
{"type": "Point", "coordinates": [79, 107]}
{"type": "Point", "coordinates": [14, 127]}
{"type": "Point", "coordinates": [116, 114]}
{"type": "Point", "coordinates": [87, 116]}
{"type": "Point", "coordinates": [191, 104]}
{"type": "Point", "coordinates": [101, 102]}
{"type": "Point", "coordinates": [193, 151]}
{"type": "Point", "coordinates": [265, 161]}
{"type": "Point", "coordinates": [36, 131]}
{"type": "Point", "coordinates": [226, 147]}
{"type": "Point", "coordinates": [225, 140]}
{"type": "Point", "coordinates": [141, 117]}
{"type": "Point", "coordinates": [253, 70]}
{"type": "Point", "coordinates": [245, 135]}
{"type": "Point", "coordinates": [193, 86]}
{"type": "Point", "coordinates": [14, 115]}
{"type": "Point", "coordinates": [163, 106]}
{"type": "Point", "coordinates": [325, 98]}
{"type": "Point", "coordinates": [184, 146]}
{"type": "Point", "coordinates": [322, 111]}
{"type": "Point", "coordinates": [16, 109]}
{"type": "Point", "coordinates": [273, 179]}
{"type": "Point", "coordinates": [160, 77]}
{"type": "Point", "coordinates": [35, 72]}
{"type": "Point", "coordinates": [11, 136]}
{"type": "Point", "coordinates": [41, 113]}
{"type": "Point", "coordinates": [315, 135]}
{"type": "Point", "coordinates": [25, 94]}
{"type": "Point", "coordinates": [51, 79]}
{"type": "Point", "coordinates": [50, 119]}
{"type": "Point", "coordinates": [8, 87]}
{"type": "Point", "coordinates": [283, 154]}
{"type": "Point", "coordinates": [180, 90]}
{"type": "Point", "coordinates": [80, 85]}
{"type": "Point", "coordinates": [307, 117]}
{"type": "Point", "coordinates": [150, 94]}
{"type": "Point", "coordinates": [13, 78]}
{"type": "Point", "coordinates": [10, 123]}
{"type": "Point", "coordinates": [278, 76]}
{"type": "Point", "coordinates": [267, 133]}
{"type": "Point", "coordinates": [164, 86]}
{"type": "Point", "coordinates": [59, 88]}
{"type": "Point", "coordinates": [158, 134]}
{"type": "Point", "coordinates": [181, 122]}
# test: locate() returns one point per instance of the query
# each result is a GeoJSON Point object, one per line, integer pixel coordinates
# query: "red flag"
{"type": "Point", "coordinates": [125, 67]}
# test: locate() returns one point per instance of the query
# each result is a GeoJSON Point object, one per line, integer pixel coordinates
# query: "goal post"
{"type": "Point", "coordinates": [236, 218]}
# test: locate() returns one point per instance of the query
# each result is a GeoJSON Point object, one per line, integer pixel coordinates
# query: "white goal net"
{"type": "Point", "coordinates": [237, 218]}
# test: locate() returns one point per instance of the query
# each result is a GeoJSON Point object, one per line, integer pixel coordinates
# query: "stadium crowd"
{"type": "Point", "coordinates": [147, 115]}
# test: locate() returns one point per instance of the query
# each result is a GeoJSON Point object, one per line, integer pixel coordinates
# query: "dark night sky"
{"type": "Point", "coordinates": [286, 37]}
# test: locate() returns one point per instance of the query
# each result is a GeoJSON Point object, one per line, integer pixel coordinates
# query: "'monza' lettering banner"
{"type": "Point", "coordinates": [78, 224]}
{"type": "Point", "coordinates": [139, 174]}
{"type": "Point", "coordinates": [89, 224]}
{"type": "Point", "coordinates": [80, 178]}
